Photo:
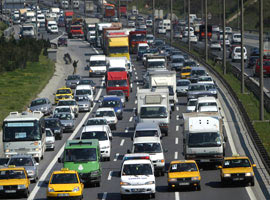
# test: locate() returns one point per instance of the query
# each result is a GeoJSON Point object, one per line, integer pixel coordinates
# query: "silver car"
{"type": "Point", "coordinates": [67, 121]}
{"type": "Point", "coordinates": [182, 87]}
{"type": "Point", "coordinates": [72, 81]}
{"type": "Point", "coordinates": [41, 104]}
{"type": "Point", "coordinates": [83, 103]}
{"type": "Point", "coordinates": [28, 162]}
{"type": "Point", "coordinates": [196, 90]}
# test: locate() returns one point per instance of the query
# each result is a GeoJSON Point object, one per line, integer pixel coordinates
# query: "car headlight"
{"type": "Point", "coordinates": [124, 183]}
{"type": "Point", "coordinates": [150, 183]}
{"type": "Point", "coordinates": [30, 172]}
{"type": "Point", "coordinates": [1, 187]}
{"type": "Point", "coordinates": [118, 111]}
{"type": "Point", "coordinates": [57, 131]}
{"type": "Point", "coordinates": [21, 186]}
{"type": "Point", "coordinates": [249, 174]}
{"type": "Point", "coordinates": [227, 175]}
{"type": "Point", "coordinates": [172, 179]}
{"type": "Point", "coordinates": [94, 173]}
{"type": "Point", "coordinates": [50, 189]}
{"type": "Point", "coordinates": [76, 189]}
{"type": "Point", "coordinates": [196, 178]}
{"type": "Point", "coordinates": [105, 147]}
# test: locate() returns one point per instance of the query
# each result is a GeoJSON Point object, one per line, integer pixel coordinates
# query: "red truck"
{"type": "Point", "coordinates": [123, 11]}
{"type": "Point", "coordinates": [75, 31]}
{"type": "Point", "coordinates": [118, 81]}
{"type": "Point", "coordinates": [136, 37]}
{"type": "Point", "coordinates": [109, 10]}
{"type": "Point", "coordinates": [266, 67]}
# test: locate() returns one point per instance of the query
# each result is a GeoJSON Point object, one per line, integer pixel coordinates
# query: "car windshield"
{"type": "Point", "coordinates": [73, 77]}
{"type": "Point", "coordinates": [49, 133]}
{"type": "Point", "coordinates": [77, 28]}
{"type": "Point", "coordinates": [198, 72]}
{"type": "Point", "coordinates": [183, 167]}
{"type": "Point", "coordinates": [50, 123]}
{"type": "Point", "coordinates": [205, 139]}
{"type": "Point", "coordinates": [105, 114]}
{"type": "Point", "coordinates": [82, 92]}
{"type": "Point", "coordinates": [156, 64]}
{"type": "Point", "coordinates": [236, 163]}
{"type": "Point", "coordinates": [64, 178]}
{"type": "Point", "coordinates": [80, 155]}
{"type": "Point", "coordinates": [158, 43]}
{"type": "Point", "coordinates": [96, 122]}
{"type": "Point", "coordinates": [149, 37]}
{"type": "Point", "coordinates": [63, 116]}
{"type": "Point", "coordinates": [116, 92]}
{"type": "Point", "coordinates": [110, 103]}
{"type": "Point", "coordinates": [205, 78]}
{"type": "Point", "coordinates": [137, 169]}
{"type": "Point", "coordinates": [117, 83]}
{"type": "Point", "coordinates": [63, 91]}
{"type": "Point", "coordinates": [178, 60]}
{"type": "Point", "coordinates": [147, 148]}
{"type": "Point", "coordinates": [62, 109]}
{"type": "Point", "coordinates": [100, 135]}
{"type": "Point", "coordinates": [21, 162]}
{"type": "Point", "coordinates": [143, 48]}
{"type": "Point", "coordinates": [146, 133]}
{"type": "Point", "coordinates": [86, 82]}
{"type": "Point", "coordinates": [190, 64]}
{"type": "Point", "coordinates": [81, 98]}
{"type": "Point", "coordinates": [138, 37]}
{"type": "Point", "coordinates": [66, 103]}
{"type": "Point", "coordinates": [12, 174]}
{"type": "Point", "coordinates": [97, 63]}
{"type": "Point", "coordinates": [186, 70]}
{"type": "Point", "coordinates": [196, 87]}
{"type": "Point", "coordinates": [183, 83]}
{"type": "Point", "coordinates": [153, 112]}
{"type": "Point", "coordinates": [118, 49]}
{"type": "Point", "coordinates": [207, 104]}
{"type": "Point", "coordinates": [116, 69]}
{"type": "Point", "coordinates": [210, 87]}
{"type": "Point", "coordinates": [38, 102]}
{"type": "Point", "coordinates": [192, 103]}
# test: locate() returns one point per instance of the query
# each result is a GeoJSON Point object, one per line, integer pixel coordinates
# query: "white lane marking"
{"type": "Point", "coordinates": [136, 77]}
{"type": "Point", "coordinates": [130, 119]}
{"type": "Point", "coordinates": [52, 163]}
{"type": "Point", "coordinates": [126, 130]}
{"type": "Point", "coordinates": [116, 157]}
{"type": "Point", "coordinates": [177, 108]}
{"type": "Point", "coordinates": [136, 73]}
{"type": "Point", "coordinates": [176, 155]}
{"type": "Point", "coordinates": [177, 128]}
{"type": "Point", "coordinates": [177, 117]}
{"type": "Point", "coordinates": [136, 101]}
{"type": "Point", "coordinates": [122, 142]}
{"type": "Point", "coordinates": [250, 193]}
{"type": "Point", "coordinates": [104, 196]}
{"type": "Point", "coordinates": [110, 176]}
{"type": "Point", "coordinates": [177, 196]}
{"type": "Point", "coordinates": [58, 36]}
{"type": "Point", "coordinates": [134, 69]}
{"type": "Point", "coordinates": [176, 140]}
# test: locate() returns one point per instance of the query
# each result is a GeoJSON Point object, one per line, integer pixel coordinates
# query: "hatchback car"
{"type": "Point", "coordinates": [72, 81]}
{"type": "Point", "coordinates": [115, 103]}
{"type": "Point", "coordinates": [215, 45]}
{"type": "Point", "coordinates": [120, 94]}
{"type": "Point", "coordinates": [83, 103]}
{"type": "Point", "coordinates": [41, 104]}
{"type": "Point", "coordinates": [63, 93]}
{"type": "Point", "coordinates": [28, 162]}
{"type": "Point", "coordinates": [109, 115]}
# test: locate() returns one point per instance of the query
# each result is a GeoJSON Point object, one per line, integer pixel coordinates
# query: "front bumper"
{"type": "Point", "coordinates": [87, 178]}
{"type": "Point", "coordinates": [138, 189]}
{"type": "Point", "coordinates": [183, 182]}
{"type": "Point", "coordinates": [12, 190]}
{"type": "Point", "coordinates": [64, 195]}
{"type": "Point", "coordinates": [238, 178]}
{"type": "Point", "coordinates": [105, 153]}
{"type": "Point", "coordinates": [205, 159]}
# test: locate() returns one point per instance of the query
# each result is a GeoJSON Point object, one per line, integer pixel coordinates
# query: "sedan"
{"type": "Point", "coordinates": [50, 139]}
{"type": "Point", "coordinates": [28, 162]}
{"type": "Point", "coordinates": [83, 103]}
{"type": "Point", "coordinates": [182, 87]}
{"type": "Point", "coordinates": [72, 81]}
{"type": "Point", "coordinates": [215, 45]}
{"type": "Point", "coordinates": [55, 126]}
{"type": "Point", "coordinates": [67, 120]}
{"type": "Point", "coordinates": [41, 104]}
{"type": "Point", "coordinates": [131, 24]}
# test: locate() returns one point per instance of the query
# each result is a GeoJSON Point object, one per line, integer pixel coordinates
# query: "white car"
{"type": "Point", "coordinates": [228, 30]}
{"type": "Point", "coordinates": [102, 134]}
{"type": "Point", "coordinates": [205, 79]}
{"type": "Point", "coordinates": [191, 105]}
{"type": "Point", "coordinates": [85, 90]}
{"type": "Point", "coordinates": [153, 146]}
{"type": "Point", "coordinates": [98, 121]}
{"type": "Point", "coordinates": [162, 30]}
{"type": "Point", "coordinates": [193, 39]}
{"type": "Point", "coordinates": [149, 22]}
{"type": "Point", "coordinates": [131, 24]}
{"type": "Point", "coordinates": [227, 42]}
{"type": "Point", "coordinates": [236, 38]}
{"type": "Point", "coordinates": [64, 109]}
{"type": "Point", "coordinates": [71, 103]}
{"type": "Point", "coordinates": [191, 32]}
{"type": "Point", "coordinates": [142, 26]}
{"type": "Point", "coordinates": [137, 176]}
{"type": "Point", "coordinates": [54, 29]}
{"type": "Point", "coordinates": [109, 115]}
{"type": "Point", "coordinates": [236, 54]}
{"type": "Point", "coordinates": [50, 139]}
{"type": "Point", "coordinates": [150, 38]}
{"type": "Point", "coordinates": [215, 45]}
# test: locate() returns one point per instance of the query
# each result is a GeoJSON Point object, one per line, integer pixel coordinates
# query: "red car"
{"type": "Point", "coordinates": [266, 67]}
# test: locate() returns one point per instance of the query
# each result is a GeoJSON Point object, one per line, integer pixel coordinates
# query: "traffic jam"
{"type": "Point", "coordinates": [134, 85]}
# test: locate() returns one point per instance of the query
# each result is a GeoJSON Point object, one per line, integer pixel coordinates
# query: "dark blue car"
{"type": "Point", "coordinates": [115, 103]}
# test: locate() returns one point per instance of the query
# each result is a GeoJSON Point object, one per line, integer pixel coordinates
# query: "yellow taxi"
{"type": "Point", "coordinates": [14, 181]}
{"type": "Point", "coordinates": [62, 94]}
{"type": "Point", "coordinates": [185, 72]}
{"type": "Point", "coordinates": [184, 173]}
{"type": "Point", "coordinates": [237, 169]}
{"type": "Point", "coordinates": [65, 184]}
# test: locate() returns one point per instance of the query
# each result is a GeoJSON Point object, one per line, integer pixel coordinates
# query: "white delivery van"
{"type": "Point", "coordinates": [97, 65]}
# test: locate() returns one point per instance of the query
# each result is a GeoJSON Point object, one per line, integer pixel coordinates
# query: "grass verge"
{"type": "Point", "coordinates": [3, 26]}
{"type": "Point", "coordinates": [19, 87]}
{"type": "Point", "coordinates": [249, 101]}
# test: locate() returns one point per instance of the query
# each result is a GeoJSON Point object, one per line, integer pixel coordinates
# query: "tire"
{"type": "Point", "coordinates": [162, 173]}
{"type": "Point", "coordinates": [252, 183]}
{"type": "Point", "coordinates": [166, 134]}
{"type": "Point", "coordinates": [153, 195]}
{"type": "Point", "coordinates": [123, 197]}
{"type": "Point", "coordinates": [26, 194]}
{"type": "Point", "coordinates": [97, 184]}
{"type": "Point", "coordinates": [170, 188]}
{"type": "Point", "coordinates": [198, 187]}
{"type": "Point", "coordinates": [108, 159]}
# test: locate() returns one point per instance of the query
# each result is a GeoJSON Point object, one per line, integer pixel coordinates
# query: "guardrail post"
{"type": "Point", "coordinates": [261, 62]}
{"type": "Point", "coordinates": [224, 43]}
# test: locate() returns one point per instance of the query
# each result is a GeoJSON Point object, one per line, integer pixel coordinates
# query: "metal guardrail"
{"type": "Point", "coordinates": [250, 84]}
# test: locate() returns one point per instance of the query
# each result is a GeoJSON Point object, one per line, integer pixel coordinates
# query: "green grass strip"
{"type": "Point", "coordinates": [19, 87]}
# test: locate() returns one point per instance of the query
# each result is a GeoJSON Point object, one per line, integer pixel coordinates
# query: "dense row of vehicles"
{"type": "Point", "coordinates": [169, 74]}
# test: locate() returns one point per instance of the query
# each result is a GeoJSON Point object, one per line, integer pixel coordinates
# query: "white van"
{"type": "Point", "coordinates": [97, 65]}
{"type": "Point", "coordinates": [206, 101]}
{"type": "Point", "coordinates": [137, 176]}
{"type": "Point", "coordinates": [76, 4]}
{"type": "Point", "coordinates": [85, 90]}
{"type": "Point", "coordinates": [236, 38]}
{"type": "Point", "coordinates": [153, 146]}
{"type": "Point", "coordinates": [167, 24]}
{"type": "Point", "coordinates": [102, 133]}
{"type": "Point", "coordinates": [50, 24]}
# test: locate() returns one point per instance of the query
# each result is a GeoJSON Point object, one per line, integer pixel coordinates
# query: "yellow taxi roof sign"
{"type": "Point", "coordinates": [11, 166]}
{"type": "Point", "coordinates": [64, 169]}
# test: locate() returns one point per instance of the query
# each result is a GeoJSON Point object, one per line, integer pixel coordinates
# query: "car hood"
{"type": "Point", "coordinates": [39, 107]}
{"type": "Point", "coordinates": [237, 170]}
{"type": "Point", "coordinates": [82, 167]}
{"type": "Point", "coordinates": [183, 174]}
{"type": "Point", "coordinates": [63, 187]}
{"type": "Point", "coordinates": [14, 182]}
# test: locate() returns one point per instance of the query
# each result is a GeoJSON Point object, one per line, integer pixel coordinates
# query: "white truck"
{"type": "Point", "coordinates": [89, 6]}
{"type": "Point", "coordinates": [155, 62]}
{"type": "Point", "coordinates": [166, 79]}
{"type": "Point", "coordinates": [90, 29]}
{"type": "Point", "coordinates": [153, 106]}
{"type": "Point", "coordinates": [204, 139]}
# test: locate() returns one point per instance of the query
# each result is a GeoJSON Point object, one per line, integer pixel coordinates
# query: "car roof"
{"type": "Point", "coordinates": [207, 99]}
{"type": "Point", "coordinates": [21, 156]}
{"type": "Point", "coordinates": [182, 161]}
{"type": "Point", "coordinates": [108, 98]}
{"type": "Point", "coordinates": [83, 87]}
{"type": "Point", "coordinates": [97, 57]}
{"type": "Point", "coordinates": [88, 128]}
{"type": "Point", "coordinates": [105, 109]}
{"type": "Point", "coordinates": [147, 126]}
{"type": "Point", "coordinates": [139, 161]}
{"type": "Point", "coordinates": [146, 140]}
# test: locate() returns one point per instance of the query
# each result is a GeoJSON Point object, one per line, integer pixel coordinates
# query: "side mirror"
{"type": "Point", "coordinates": [110, 137]}
{"type": "Point", "coordinates": [46, 182]}
{"type": "Point", "coordinates": [37, 164]}
{"type": "Point", "coordinates": [60, 160]}
{"type": "Point", "coordinates": [219, 167]}
{"type": "Point", "coordinates": [128, 151]}
{"type": "Point", "coordinates": [254, 165]}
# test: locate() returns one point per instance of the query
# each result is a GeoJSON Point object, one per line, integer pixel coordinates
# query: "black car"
{"type": "Point", "coordinates": [62, 41]}
{"type": "Point", "coordinates": [55, 125]}
{"type": "Point", "coordinates": [252, 61]}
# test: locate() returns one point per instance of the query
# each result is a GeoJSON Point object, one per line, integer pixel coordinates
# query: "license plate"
{"type": "Point", "coordinates": [183, 183]}
{"type": "Point", "coordinates": [63, 195]}
{"type": "Point", "coordinates": [10, 191]}
{"type": "Point", "coordinates": [204, 160]}
{"type": "Point", "coordinates": [238, 179]}
{"type": "Point", "coordinates": [137, 190]}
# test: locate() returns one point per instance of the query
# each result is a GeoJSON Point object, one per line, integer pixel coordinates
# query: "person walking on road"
{"type": "Point", "coordinates": [75, 66]}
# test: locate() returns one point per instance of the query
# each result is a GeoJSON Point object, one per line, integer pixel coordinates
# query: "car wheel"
{"type": "Point", "coordinates": [123, 196]}
{"type": "Point", "coordinates": [252, 183]}
{"type": "Point", "coordinates": [26, 194]}
{"type": "Point", "coordinates": [166, 134]}
{"type": "Point", "coordinates": [170, 188]}
{"type": "Point", "coordinates": [153, 195]}
{"type": "Point", "coordinates": [162, 173]}
{"type": "Point", "coordinates": [97, 184]}
{"type": "Point", "coordinates": [198, 187]}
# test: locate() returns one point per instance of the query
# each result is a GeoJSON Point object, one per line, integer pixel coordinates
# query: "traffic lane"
{"type": "Point", "coordinates": [45, 35]}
